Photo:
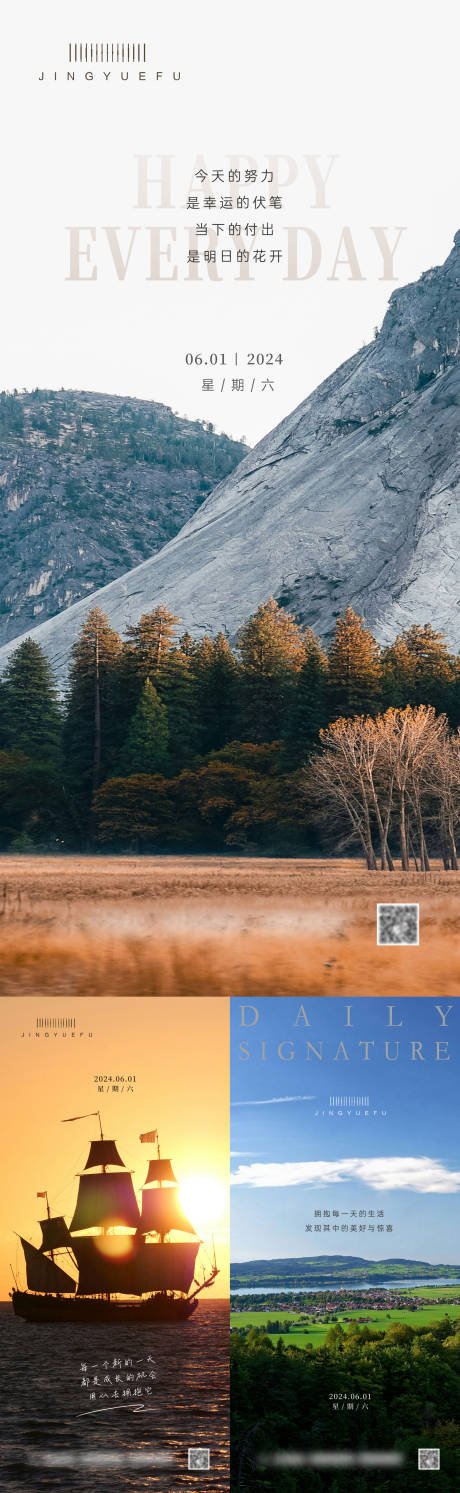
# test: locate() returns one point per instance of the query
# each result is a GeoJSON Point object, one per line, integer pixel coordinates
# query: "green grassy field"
{"type": "Point", "coordinates": [430, 1291]}
{"type": "Point", "coordinates": [300, 1334]}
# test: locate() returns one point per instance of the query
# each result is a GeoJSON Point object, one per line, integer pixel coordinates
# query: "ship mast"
{"type": "Point", "coordinates": [167, 1265]}
{"type": "Point", "coordinates": [104, 1170]}
{"type": "Point", "coordinates": [55, 1234]}
{"type": "Point", "coordinates": [105, 1199]}
{"type": "Point", "coordinates": [48, 1210]}
{"type": "Point", "coordinates": [160, 1179]}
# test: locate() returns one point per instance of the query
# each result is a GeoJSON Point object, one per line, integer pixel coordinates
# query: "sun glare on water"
{"type": "Point", "coordinates": [203, 1200]}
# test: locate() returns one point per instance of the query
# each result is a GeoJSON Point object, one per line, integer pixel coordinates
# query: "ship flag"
{"type": "Point", "coordinates": [150, 1135]}
{"type": "Point", "coordinates": [89, 1116]}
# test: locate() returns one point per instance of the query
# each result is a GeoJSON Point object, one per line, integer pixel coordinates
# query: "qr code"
{"type": "Point", "coordinates": [397, 923]}
{"type": "Point", "coordinates": [198, 1459]}
{"type": "Point", "coordinates": [428, 1459]}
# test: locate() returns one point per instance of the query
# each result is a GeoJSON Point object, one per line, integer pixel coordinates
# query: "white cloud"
{"type": "Point", "coordinates": [383, 1173]}
{"type": "Point", "coordinates": [289, 1099]}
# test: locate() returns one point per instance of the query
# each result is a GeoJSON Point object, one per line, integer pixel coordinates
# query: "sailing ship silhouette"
{"type": "Point", "coordinates": [122, 1276]}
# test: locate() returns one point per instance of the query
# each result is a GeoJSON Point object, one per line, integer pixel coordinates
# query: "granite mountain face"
{"type": "Point", "coordinates": [90, 485]}
{"type": "Point", "coordinates": [353, 499]}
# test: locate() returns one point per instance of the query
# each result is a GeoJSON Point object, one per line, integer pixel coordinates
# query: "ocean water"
{"type": "Point", "coordinates": [54, 1436]}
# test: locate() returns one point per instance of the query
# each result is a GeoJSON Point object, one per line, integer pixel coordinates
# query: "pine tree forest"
{"type": "Point", "coordinates": [276, 745]}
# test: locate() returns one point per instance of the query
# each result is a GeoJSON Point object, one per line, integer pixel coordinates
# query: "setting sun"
{"type": "Point", "coordinates": [203, 1199]}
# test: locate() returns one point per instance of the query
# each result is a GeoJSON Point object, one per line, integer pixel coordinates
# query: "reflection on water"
{"type": "Point", "coordinates": [51, 1441]}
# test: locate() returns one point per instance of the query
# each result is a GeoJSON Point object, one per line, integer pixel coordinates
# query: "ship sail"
{"type": "Point", "coordinates": [103, 1153]}
{"type": "Point", "coordinates": [160, 1170]}
{"type": "Point", "coordinates": [99, 1273]}
{"type": "Point", "coordinates": [149, 1267]}
{"type": "Point", "coordinates": [167, 1267]}
{"type": "Point", "coordinates": [161, 1211]}
{"type": "Point", "coordinates": [55, 1234]}
{"type": "Point", "coordinates": [105, 1200]}
{"type": "Point", "coordinates": [43, 1274]}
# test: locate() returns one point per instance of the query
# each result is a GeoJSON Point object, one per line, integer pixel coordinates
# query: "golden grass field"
{"type": "Point", "coordinates": [171, 925]}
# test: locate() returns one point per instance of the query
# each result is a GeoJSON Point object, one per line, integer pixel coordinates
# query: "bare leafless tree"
{"type": "Point", "coordinates": [339, 774]}
{"type": "Point", "coordinates": [393, 772]}
{"type": "Point", "coordinates": [445, 787]}
{"type": "Point", "coordinates": [411, 739]}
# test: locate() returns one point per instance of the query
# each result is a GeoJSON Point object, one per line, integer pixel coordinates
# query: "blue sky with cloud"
{"type": "Point", "coordinates": [289, 1158]}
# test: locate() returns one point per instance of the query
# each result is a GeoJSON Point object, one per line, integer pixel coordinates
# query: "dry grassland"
{"type": "Point", "coordinates": [171, 925]}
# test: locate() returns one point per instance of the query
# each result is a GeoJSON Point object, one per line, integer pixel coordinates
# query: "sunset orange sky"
{"type": "Point", "coordinates": [178, 1051]}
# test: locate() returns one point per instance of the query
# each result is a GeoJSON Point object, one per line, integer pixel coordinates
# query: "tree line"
{"type": "Point", "coordinates": [143, 432]}
{"type": "Point", "coordinates": [166, 742]}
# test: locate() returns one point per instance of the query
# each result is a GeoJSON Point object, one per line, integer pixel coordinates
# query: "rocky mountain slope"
{"type": "Point", "coordinates": [354, 498]}
{"type": "Point", "coordinates": [90, 485]}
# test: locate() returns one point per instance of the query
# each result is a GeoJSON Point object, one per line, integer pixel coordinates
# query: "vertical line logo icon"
{"type": "Point", "coordinates": [107, 51]}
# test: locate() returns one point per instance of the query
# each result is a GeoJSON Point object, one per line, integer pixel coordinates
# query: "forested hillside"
{"type": "Point", "coordinates": [403, 1385]}
{"type": "Point", "coordinates": [90, 486]}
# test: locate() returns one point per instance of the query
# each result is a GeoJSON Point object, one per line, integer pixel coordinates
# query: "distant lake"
{"type": "Point", "coordinates": [361, 1285]}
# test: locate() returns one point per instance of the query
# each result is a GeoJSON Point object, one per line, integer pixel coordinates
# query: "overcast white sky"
{"type": "Point", "coordinates": [375, 86]}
